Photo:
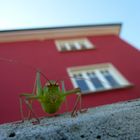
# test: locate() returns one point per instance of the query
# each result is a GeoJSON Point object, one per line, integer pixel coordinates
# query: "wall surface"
{"type": "Point", "coordinates": [17, 74]}
{"type": "Point", "coordinates": [111, 122]}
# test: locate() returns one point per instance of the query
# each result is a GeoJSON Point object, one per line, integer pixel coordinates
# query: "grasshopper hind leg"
{"type": "Point", "coordinates": [28, 102]}
{"type": "Point", "coordinates": [75, 109]}
{"type": "Point", "coordinates": [64, 90]}
{"type": "Point", "coordinates": [31, 111]}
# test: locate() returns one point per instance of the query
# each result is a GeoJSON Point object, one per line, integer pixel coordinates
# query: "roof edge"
{"type": "Point", "coordinates": [59, 32]}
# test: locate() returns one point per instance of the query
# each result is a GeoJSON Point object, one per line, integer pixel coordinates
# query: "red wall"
{"type": "Point", "coordinates": [18, 77]}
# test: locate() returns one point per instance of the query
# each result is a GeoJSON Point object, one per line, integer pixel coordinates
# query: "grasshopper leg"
{"type": "Point", "coordinates": [75, 109]}
{"type": "Point", "coordinates": [30, 108]}
{"type": "Point", "coordinates": [33, 93]}
{"type": "Point", "coordinates": [28, 100]}
{"type": "Point", "coordinates": [63, 90]}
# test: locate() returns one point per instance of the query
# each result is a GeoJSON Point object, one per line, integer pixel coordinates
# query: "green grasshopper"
{"type": "Point", "coordinates": [50, 96]}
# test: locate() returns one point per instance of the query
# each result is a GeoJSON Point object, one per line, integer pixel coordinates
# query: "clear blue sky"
{"type": "Point", "coordinates": [17, 14]}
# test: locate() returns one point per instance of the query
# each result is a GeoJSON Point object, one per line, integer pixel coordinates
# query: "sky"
{"type": "Point", "coordinates": [25, 14]}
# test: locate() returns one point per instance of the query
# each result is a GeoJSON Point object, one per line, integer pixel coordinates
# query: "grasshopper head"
{"type": "Point", "coordinates": [52, 86]}
{"type": "Point", "coordinates": [52, 83]}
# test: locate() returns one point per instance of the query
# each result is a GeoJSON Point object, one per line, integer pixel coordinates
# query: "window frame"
{"type": "Point", "coordinates": [76, 42]}
{"type": "Point", "coordinates": [123, 82]}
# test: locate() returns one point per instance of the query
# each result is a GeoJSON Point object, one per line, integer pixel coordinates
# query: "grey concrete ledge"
{"type": "Point", "coordinates": [119, 121]}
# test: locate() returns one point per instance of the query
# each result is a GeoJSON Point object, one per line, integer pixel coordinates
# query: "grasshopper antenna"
{"type": "Point", "coordinates": [43, 75]}
{"type": "Point", "coordinates": [56, 82]}
{"type": "Point", "coordinates": [17, 62]}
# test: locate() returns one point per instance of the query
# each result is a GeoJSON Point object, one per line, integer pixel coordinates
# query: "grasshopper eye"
{"type": "Point", "coordinates": [47, 84]}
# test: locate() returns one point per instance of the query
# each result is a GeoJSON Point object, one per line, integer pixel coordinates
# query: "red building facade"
{"type": "Point", "coordinates": [93, 58]}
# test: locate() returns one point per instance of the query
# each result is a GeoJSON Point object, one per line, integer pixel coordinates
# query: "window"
{"type": "Point", "coordinates": [98, 77]}
{"type": "Point", "coordinates": [95, 80]}
{"type": "Point", "coordinates": [81, 82]}
{"type": "Point", "coordinates": [74, 44]}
